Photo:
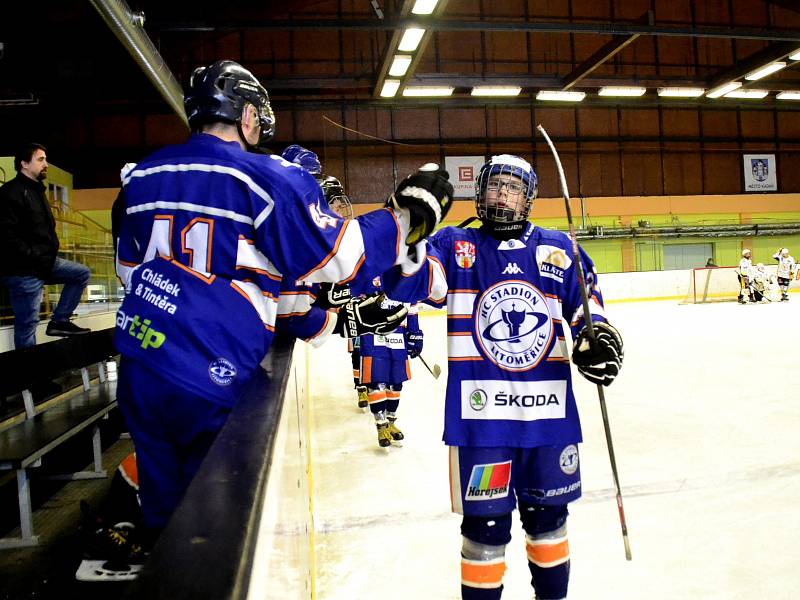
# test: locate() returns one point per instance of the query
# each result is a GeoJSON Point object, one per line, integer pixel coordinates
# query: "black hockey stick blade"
{"type": "Point", "coordinates": [435, 371]}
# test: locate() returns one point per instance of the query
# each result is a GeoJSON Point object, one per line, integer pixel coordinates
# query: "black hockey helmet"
{"type": "Point", "coordinates": [220, 91]}
{"type": "Point", "coordinates": [337, 200]}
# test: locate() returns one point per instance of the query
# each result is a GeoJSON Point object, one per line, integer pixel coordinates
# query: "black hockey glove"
{"type": "Point", "coordinates": [601, 360]}
{"type": "Point", "coordinates": [333, 295]}
{"type": "Point", "coordinates": [358, 317]}
{"type": "Point", "coordinates": [414, 343]}
{"type": "Point", "coordinates": [428, 195]}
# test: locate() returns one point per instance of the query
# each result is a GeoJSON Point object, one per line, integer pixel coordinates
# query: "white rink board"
{"type": "Point", "coordinates": [705, 417]}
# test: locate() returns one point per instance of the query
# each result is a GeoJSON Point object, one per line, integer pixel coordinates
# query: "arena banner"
{"type": "Point", "coordinates": [463, 171]}
{"type": "Point", "coordinates": [760, 173]}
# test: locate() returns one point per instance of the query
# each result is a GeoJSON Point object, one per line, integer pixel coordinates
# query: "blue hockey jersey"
{"type": "Point", "coordinates": [249, 218]}
{"type": "Point", "coordinates": [509, 380]}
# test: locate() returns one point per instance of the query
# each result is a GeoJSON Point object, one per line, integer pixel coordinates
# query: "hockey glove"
{"type": "Point", "coordinates": [414, 343]}
{"type": "Point", "coordinates": [333, 295]}
{"type": "Point", "coordinates": [428, 195]}
{"type": "Point", "coordinates": [358, 317]}
{"type": "Point", "coordinates": [601, 360]}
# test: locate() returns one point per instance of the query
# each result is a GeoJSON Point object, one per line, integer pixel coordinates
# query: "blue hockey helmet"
{"type": "Point", "coordinates": [504, 167]}
{"type": "Point", "coordinates": [304, 157]}
{"type": "Point", "coordinates": [220, 92]}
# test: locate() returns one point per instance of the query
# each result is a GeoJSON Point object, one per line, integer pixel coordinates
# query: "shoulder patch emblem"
{"type": "Point", "coordinates": [465, 253]}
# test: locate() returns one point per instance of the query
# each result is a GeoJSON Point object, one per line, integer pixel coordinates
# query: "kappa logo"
{"type": "Point", "coordinates": [512, 269]}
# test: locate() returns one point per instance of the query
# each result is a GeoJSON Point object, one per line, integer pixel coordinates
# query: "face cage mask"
{"type": "Point", "coordinates": [342, 206]}
{"type": "Point", "coordinates": [496, 214]}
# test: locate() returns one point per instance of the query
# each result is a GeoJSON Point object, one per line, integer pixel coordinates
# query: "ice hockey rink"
{"type": "Point", "coordinates": [705, 418]}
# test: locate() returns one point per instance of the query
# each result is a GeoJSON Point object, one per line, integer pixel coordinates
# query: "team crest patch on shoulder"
{"type": "Point", "coordinates": [513, 325]}
{"type": "Point", "coordinates": [222, 371]}
{"type": "Point", "coordinates": [465, 253]}
{"type": "Point", "coordinates": [552, 261]}
{"type": "Point", "coordinates": [489, 481]}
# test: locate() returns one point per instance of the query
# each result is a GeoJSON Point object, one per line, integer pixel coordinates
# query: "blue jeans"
{"type": "Point", "coordinates": [26, 295]}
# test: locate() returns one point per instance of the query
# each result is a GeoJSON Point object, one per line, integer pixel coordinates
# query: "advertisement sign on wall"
{"type": "Point", "coordinates": [463, 171]}
{"type": "Point", "coordinates": [760, 173]}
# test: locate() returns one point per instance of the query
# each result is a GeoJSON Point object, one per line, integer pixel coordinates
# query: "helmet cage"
{"type": "Point", "coordinates": [505, 165]}
{"type": "Point", "coordinates": [337, 200]}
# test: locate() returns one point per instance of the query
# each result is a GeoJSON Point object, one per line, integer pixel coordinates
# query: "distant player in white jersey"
{"type": "Point", "coordinates": [745, 276]}
{"type": "Point", "coordinates": [511, 420]}
{"type": "Point", "coordinates": [786, 270]}
{"type": "Point", "coordinates": [760, 283]}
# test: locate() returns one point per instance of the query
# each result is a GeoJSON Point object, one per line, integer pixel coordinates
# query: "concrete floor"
{"type": "Point", "coordinates": [705, 417]}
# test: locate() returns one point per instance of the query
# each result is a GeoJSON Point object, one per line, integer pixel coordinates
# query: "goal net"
{"type": "Point", "coordinates": [713, 284]}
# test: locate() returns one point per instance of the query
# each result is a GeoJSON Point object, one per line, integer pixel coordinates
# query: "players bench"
{"type": "Point", "coordinates": [27, 440]}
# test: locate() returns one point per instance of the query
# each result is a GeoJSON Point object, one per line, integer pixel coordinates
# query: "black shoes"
{"type": "Point", "coordinates": [65, 329]}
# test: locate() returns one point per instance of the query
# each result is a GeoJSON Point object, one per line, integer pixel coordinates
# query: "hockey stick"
{"type": "Point", "coordinates": [587, 316]}
{"type": "Point", "coordinates": [435, 371]}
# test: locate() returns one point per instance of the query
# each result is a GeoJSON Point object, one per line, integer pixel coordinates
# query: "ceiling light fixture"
{"type": "Point", "coordinates": [612, 90]}
{"type": "Point", "coordinates": [390, 87]}
{"type": "Point", "coordinates": [559, 96]}
{"type": "Point", "coordinates": [428, 90]}
{"type": "Point", "coordinates": [400, 65]}
{"type": "Point", "coordinates": [496, 90]}
{"type": "Point", "coordinates": [764, 71]}
{"type": "Point", "coordinates": [795, 56]}
{"type": "Point", "coordinates": [789, 95]}
{"type": "Point", "coordinates": [723, 89]}
{"type": "Point", "coordinates": [749, 94]}
{"type": "Point", "coordinates": [424, 7]}
{"type": "Point", "coordinates": [411, 39]}
{"type": "Point", "coordinates": [680, 92]}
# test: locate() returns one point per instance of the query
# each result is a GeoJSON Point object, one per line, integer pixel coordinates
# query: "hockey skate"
{"type": "Point", "coordinates": [384, 435]}
{"type": "Point", "coordinates": [363, 397]}
{"type": "Point", "coordinates": [111, 553]}
{"type": "Point", "coordinates": [397, 435]}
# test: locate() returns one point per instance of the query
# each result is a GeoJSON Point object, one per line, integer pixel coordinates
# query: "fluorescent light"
{"type": "Point", "coordinates": [764, 71]}
{"type": "Point", "coordinates": [723, 89]}
{"type": "Point", "coordinates": [400, 65]}
{"type": "Point", "coordinates": [496, 90]}
{"type": "Point", "coordinates": [424, 7]}
{"type": "Point", "coordinates": [789, 95]}
{"type": "Point", "coordinates": [389, 88]}
{"type": "Point", "coordinates": [410, 39]}
{"type": "Point", "coordinates": [560, 96]}
{"type": "Point", "coordinates": [747, 94]}
{"type": "Point", "coordinates": [680, 92]}
{"type": "Point", "coordinates": [795, 56]}
{"type": "Point", "coordinates": [428, 90]}
{"type": "Point", "coordinates": [621, 91]}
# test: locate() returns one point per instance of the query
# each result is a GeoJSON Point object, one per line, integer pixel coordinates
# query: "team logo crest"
{"type": "Point", "coordinates": [760, 168]}
{"type": "Point", "coordinates": [568, 461]}
{"type": "Point", "coordinates": [465, 254]}
{"type": "Point", "coordinates": [221, 371]}
{"type": "Point", "coordinates": [513, 325]}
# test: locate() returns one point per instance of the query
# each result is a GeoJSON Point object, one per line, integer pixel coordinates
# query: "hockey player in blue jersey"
{"type": "Point", "coordinates": [511, 420]}
{"type": "Point", "coordinates": [210, 229]}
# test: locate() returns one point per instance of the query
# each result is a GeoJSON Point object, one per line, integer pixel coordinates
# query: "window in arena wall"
{"type": "Point", "coordinates": [686, 256]}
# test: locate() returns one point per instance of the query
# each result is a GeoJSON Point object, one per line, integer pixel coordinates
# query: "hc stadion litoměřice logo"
{"type": "Point", "coordinates": [513, 325]}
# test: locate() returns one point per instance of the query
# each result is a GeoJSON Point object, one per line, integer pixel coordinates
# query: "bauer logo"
{"type": "Point", "coordinates": [477, 400]}
{"type": "Point", "coordinates": [568, 461]}
{"type": "Point", "coordinates": [489, 481]}
{"type": "Point", "coordinates": [513, 325]}
{"type": "Point", "coordinates": [221, 371]}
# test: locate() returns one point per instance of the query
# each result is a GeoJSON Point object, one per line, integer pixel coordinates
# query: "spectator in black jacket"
{"type": "Point", "coordinates": [29, 251]}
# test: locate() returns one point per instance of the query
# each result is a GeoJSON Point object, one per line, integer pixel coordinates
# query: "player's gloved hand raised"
{"type": "Point", "coordinates": [358, 317]}
{"type": "Point", "coordinates": [414, 343]}
{"type": "Point", "coordinates": [333, 295]}
{"type": "Point", "coordinates": [601, 360]}
{"type": "Point", "coordinates": [428, 195]}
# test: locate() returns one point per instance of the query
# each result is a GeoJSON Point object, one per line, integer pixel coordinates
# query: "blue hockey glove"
{"type": "Point", "coordinates": [428, 195]}
{"type": "Point", "coordinates": [414, 343]}
{"type": "Point", "coordinates": [601, 360]}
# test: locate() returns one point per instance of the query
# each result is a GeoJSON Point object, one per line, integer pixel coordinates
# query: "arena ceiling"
{"type": "Point", "coordinates": [60, 59]}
